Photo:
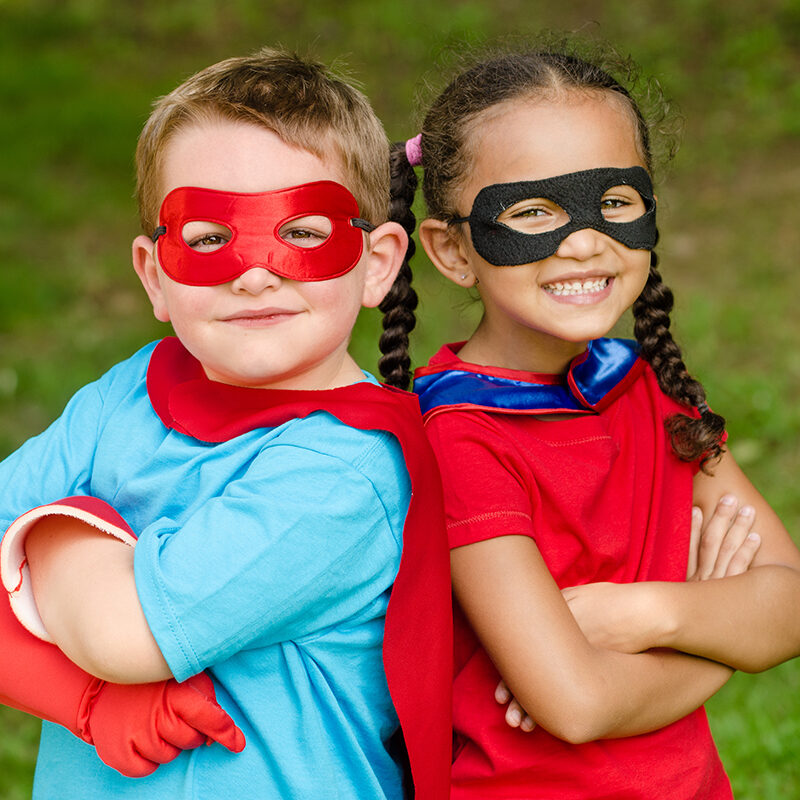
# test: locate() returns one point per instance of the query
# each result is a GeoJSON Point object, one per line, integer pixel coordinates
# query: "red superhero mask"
{"type": "Point", "coordinates": [257, 233]}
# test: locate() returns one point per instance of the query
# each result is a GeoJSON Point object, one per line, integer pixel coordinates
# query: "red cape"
{"type": "Point", "coordinates": [418, 636]}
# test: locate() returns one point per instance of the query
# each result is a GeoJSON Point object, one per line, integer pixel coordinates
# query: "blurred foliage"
{"type": "Point", "coordinates": [76, 81]}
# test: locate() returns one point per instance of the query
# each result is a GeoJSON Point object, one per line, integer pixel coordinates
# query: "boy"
{"type": "Point", "coordinates": [270, 523]}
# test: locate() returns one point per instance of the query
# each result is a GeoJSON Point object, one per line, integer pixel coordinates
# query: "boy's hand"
{"type": "Point", "coordinates": [516, 716]}
{"type": "Point", "coordinates": [134, 728]}
{"type": "Point", "coordinates": [725, 545]}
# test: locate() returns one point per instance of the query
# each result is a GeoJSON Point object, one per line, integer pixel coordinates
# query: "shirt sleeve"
{"type": "Point", "coordinates": [300, 542]}
{"type": "Point", "coordinates": [487, 486]}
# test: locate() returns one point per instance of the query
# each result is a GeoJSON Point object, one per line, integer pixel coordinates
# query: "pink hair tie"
{"type": "Point", "coordinates": [414, 150]}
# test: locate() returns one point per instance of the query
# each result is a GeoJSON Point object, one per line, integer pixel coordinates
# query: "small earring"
{"type": "Point", "coordinates": [464, 276]}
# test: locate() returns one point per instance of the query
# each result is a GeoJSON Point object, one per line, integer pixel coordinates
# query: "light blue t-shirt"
{"type": "Point", "coordinates": [266, 560]}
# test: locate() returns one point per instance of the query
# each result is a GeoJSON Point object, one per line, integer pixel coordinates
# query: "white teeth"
{"type": "Point", "coordinates": [577, 287]}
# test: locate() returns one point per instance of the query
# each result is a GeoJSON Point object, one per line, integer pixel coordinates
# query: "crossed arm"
{"type": "Point", "coordinates": [571, 672]}
{"type": "Point", "coordinates": [114, 642]}
{"type": "Point", "coordinates": [747, 621]}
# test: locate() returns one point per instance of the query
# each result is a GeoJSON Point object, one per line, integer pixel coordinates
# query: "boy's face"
{"type": "Point", "coordinates": [258, 329]}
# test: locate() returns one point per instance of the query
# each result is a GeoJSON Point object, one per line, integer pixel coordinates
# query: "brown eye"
{"type": "Point", "coordinates": [535, 215]}
{"type": "Point", "coordinates": [308, 232]}
{"type": "Point", "coordinates": [205, 237]}
{"type": "Point", "coordinates": [622, 204]}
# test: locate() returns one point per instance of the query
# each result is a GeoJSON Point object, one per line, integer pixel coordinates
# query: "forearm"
{"type": "Point", "coordinates": [84, 587]}
{"type": "Point", "coordinates": [747, 621]}
{"type": "Point", "coordinates": [606, 694]}
{"type": "Point", "coordinates": [576, 690]}
{"type": "Point", "coordinates": [658, 688]}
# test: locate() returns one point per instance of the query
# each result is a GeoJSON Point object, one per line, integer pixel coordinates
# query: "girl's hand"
{"type": "Point", "coordinates": [726, 545]}
{"type": "Point", "coordinates": [516, 716]}
{"type": "Point", "coordinates": [624, 617]}
{"type": "Point", "coordinates": [628, 617]}
{"type": "Point", "coordinates": [616, 616]}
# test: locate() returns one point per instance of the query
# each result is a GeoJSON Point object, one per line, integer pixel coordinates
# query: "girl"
{"type": "Point", "coordinates": [573, 460]}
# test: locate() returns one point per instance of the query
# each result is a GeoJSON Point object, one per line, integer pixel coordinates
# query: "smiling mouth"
{"type": "Point", "coordinates": [262, 317]}
{"type": "Point", "coordinates": [578, 287]}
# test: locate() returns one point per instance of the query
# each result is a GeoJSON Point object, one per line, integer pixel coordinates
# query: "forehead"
{"type": "Point", "coordinates": [238, 156]}
{"type": "Point", "coordinates": [526, 139]}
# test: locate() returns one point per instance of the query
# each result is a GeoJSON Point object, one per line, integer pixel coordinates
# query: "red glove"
{"type": "Point", "coordinates": [134, 728]}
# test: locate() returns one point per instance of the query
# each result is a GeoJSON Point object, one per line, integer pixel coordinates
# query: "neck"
{"type": "Point", "coordinates": [539, 353]}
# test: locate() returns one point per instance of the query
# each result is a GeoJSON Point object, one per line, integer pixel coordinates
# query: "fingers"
{"type": "Point", "coordinates": [727, 544]}
{"type": "Point", "coordinates": [694, 541]}
{"type": "Point", "coordinates": [195, 702]}
{"type": "Point", "coordinates": [742, 559]}
{"type": "Point", "coordinates": [135, 766]}
{"type": "Point", "coordinates": [516, 717]}
{"type": "Point", "coordinates": [502, 694]}
{"type": "Point", "coordinates": [732, 543]}
{"type": "Point", "coordinates": [127, 759]}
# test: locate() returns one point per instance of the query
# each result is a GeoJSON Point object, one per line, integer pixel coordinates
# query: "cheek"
{"type": "Point", "coordinates": [188, 302]}
{"type": "Point", "coordinates": [643, 269]}
{"type": "Point", "coordinates": [337, 295]}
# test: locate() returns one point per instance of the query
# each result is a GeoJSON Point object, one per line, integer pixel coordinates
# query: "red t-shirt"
{"type": "Point", "coordinates": [605, 499]}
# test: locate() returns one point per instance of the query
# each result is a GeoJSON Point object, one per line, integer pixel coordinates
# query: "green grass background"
{"type": "Point", "coordinates": [76, 81]}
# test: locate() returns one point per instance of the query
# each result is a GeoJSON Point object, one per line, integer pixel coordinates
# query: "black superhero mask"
{"type": "Point", "coordinates": [578, 195]}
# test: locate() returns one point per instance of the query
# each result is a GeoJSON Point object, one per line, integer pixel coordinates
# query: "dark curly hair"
{"type": "Point", "coordinates": [446, 160]}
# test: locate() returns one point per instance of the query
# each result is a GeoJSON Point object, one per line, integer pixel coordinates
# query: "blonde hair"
{"type": "Point", "coordinates": [299, 100]}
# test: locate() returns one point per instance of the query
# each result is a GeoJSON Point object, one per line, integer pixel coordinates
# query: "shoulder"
{"type": "Point", "coordinates": [321, 432]}
{"type": "Point", "coordinates": [472, 440]}
{"type": "Point", "coordinates": [320, 444]}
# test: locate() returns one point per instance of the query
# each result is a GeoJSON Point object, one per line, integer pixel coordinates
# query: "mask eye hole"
{"type": "Point", "coordinates": [205, 237]}
{"type": "Point", "coordinates": [622, 204]}
{"type": "Point", "coordinates": [308, 232]}
{"type": "Point", "coordinates": [534, 215]}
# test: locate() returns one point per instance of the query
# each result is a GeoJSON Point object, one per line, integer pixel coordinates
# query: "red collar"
{"type": "Point", "coordinates": [418, 635]}
{"type": "Point", "coordinates": [187, 401]}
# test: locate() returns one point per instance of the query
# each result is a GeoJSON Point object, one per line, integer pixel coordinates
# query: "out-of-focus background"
{"type": "Point", "coordinates": [76, 81]}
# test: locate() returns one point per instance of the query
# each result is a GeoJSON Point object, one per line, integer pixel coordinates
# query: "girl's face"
{"type": "Point", "coordinates": [538, 316]}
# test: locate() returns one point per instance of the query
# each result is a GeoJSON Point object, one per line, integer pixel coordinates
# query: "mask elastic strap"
{"type": "Point", "coordinates": [357, 222]}
{"type": "Point", "coordinates": [159, 231]}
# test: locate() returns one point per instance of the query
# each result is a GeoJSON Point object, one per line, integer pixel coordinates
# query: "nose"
{"type": "Point", "coordinates": [255, 280]}
{"type": "Point", "coordinates": [582, 244]}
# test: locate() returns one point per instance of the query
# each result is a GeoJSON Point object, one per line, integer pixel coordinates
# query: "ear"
{"type": "Point", "coordinates": [144, 262]}
{"type": "Point", "coordinates": [387, 249]}
{"type": "Point", "coordinates": [446, 250]}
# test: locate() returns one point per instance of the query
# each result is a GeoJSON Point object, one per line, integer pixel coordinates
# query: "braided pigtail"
{"type": "Point", "coordinates": [691, 438]}
{"type": "Point", "coordinates": [399, 304]}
